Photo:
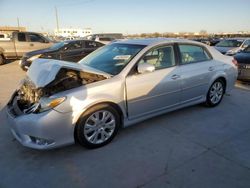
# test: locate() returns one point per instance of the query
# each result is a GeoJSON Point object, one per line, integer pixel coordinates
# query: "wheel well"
{"type": "Point", "coordinates": [115, 106]}
{"type": "Point", "coordinates": [2, 59]}
{"type": "Point", "coordinates": [224, 81]}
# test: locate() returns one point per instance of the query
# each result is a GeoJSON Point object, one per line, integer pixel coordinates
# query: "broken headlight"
{"type": "Point", "coordinates": [34, 57]}
{"type": "Point", "coordinates": [49, 103]}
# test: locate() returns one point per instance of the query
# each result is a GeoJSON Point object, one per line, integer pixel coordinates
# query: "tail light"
{"type": "Point", "coordinates": [235, 62]}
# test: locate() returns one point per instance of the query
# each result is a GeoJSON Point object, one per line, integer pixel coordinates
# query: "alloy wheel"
{"type": "Point", "coordinates": [216, 92]}
{"type": "Point", "coordinates": [99, 127]}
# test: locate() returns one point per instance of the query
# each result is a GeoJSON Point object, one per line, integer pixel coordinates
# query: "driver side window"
{"type": "Point", "coordinates": [36, 38]}
{"type": "Point", "coordinates": [162, 57]}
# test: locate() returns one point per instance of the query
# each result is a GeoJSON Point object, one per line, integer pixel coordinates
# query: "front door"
{"type": "Point", "coordinates": [150, 92]}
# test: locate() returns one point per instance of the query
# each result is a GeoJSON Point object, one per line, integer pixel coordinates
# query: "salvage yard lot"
{"type": "Point", "coordinates": [191, 147]}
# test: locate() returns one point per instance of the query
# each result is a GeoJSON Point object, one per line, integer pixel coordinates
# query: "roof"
{"type": "Point", "coordinates": [151, 41]}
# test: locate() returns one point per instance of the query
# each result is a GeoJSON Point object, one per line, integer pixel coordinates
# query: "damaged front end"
{"type": "Point", "coordinates": [32, 99]}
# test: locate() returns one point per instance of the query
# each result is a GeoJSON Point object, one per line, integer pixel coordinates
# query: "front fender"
{"type": "Point", "coordinates": [82, 98]}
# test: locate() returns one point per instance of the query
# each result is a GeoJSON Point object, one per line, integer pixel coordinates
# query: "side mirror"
{"type": "Point", "coordinates": [145, 67]}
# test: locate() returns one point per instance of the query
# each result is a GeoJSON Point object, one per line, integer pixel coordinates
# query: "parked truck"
{"type": "Point", "coordinates": [20, 43]}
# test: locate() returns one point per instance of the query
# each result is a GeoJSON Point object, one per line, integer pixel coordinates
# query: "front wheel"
{"type": "Point", "coordinates": [1, 60]}
{"type": "Point", "coordinates": [215, 93]}
{"type": "Point", "coordinates": [98, 126]}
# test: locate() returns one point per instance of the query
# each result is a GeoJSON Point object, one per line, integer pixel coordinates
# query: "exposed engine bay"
{"type": "Point", "coordinates": [65, 79]}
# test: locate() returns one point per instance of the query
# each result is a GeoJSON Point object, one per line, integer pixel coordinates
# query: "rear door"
{"type": "Point", "coordinates": [196, 70]}
{"type": "Point", "coordinates": [151, 92]}
{"type": "Point", "coordinates": [72, 52]}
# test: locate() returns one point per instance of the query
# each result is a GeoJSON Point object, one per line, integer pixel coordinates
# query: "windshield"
{"type": "Point", "coordinates": [112, 58]}
{"type": "Point", "coordinates": [247, 49]}
{"type": "Point", "coordinates": [58, 45]}
{"type": "Point", "coordinates": [229, 43]}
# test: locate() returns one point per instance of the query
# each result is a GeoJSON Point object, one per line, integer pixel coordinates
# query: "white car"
{"type": "Point", "coordinates": [119, 84]}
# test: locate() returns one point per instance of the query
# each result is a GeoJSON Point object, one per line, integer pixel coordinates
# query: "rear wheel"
{"type": "Point", "coordinates": [98, 126]}
{"type": "Point", "coordinates": [1, 60]}
{"type": "Point", "coordinates": [215, 93]}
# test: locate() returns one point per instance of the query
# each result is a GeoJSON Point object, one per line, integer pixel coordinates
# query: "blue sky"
{"type": "Point", "coordinates": [129, 16]}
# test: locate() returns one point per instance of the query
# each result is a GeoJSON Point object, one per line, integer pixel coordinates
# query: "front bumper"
{"type": "Point", "coordinates": [45, 130]}
{"type": "Point", "coordinates": [244, 72]}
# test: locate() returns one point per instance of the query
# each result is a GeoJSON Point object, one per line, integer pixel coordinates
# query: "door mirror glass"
{"type": "Point", "coordinates": [145, 67]}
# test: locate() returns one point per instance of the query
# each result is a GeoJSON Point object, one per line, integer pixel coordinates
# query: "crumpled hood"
{"type": "Point", "coordinates": [44, 71]}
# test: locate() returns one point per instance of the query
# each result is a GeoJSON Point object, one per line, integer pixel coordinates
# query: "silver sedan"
{"type": "Point", "coordinates": [116, 86]}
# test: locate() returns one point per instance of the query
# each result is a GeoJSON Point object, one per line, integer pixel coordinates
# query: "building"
{"type": "Point", "coordinates": [9, 30]}
{"type": "Point", "coordinates": [71, 32]}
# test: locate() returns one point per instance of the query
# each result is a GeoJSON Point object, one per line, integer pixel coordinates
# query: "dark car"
{"type": "Point", "coordinates": [72, 51]}
{"type": "Point", "coordinates": [243, 59]}
{"type": "Point", "coordinates": [202, 40]}
{"type": "Point", "coordinates": [231, 46]}
{"type": "Point", "coordinates": [214, 41]}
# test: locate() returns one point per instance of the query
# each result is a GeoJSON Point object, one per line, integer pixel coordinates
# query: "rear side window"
{"type": "Point", "coordinates": [91, 44]}
{"type": "Point", "coordinates": [192, 53]}
{"type": "Point", "coordinates": [21, 37]}
{"type": "Point", "coordinates": [75, 45]}
{"type": "Point", "coordinates": [36, 38]}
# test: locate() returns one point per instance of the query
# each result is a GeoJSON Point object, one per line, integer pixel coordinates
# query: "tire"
{"type": "Point", "coordinates": [215, 93]}
{"type": "Point", "coordinates": [94, 132]}
{"type": "Point", "coordinates": [2, 61]}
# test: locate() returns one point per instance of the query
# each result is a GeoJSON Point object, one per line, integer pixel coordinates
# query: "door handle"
{"type": "Point", "coordinates": [175, 76]}
{"type": "Point", "coordinates": [31, 44]}
{"type": "Point", "coordinates": [211, 68]}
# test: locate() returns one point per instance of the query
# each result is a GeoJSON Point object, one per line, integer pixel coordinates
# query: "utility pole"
{"type": "Point", "coordinates": [57, 23]}
{"type": "Point", "coordinates": [18, 24]}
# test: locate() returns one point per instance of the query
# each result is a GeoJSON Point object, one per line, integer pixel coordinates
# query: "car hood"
{"type": "Point", "coordinates": [223, 50]}
{"type": "Point", "coordinates": [37, 52]}
{"type": "Point", "coordinates": [43, 71]}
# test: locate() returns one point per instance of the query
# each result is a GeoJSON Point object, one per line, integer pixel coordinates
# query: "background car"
{"type": "Point", "coordinates": [21, 43]}
{"type": "Point", "coordinates": [105, 38]}
{"type": "Point", "coordinates": [203, 40]}
{"type": "Point", "coordinates": [232, 46]}
{"type": "Point", "coordinates": [214, 41]}
{"type": "Point", "coordinates": [116, 86]}
{"type": "Point", "coordinates": [73, 51]}
{"type": "Point", "coordinates": [243, 59]}
{"type": "Point", "coordinates": [207, 41]}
